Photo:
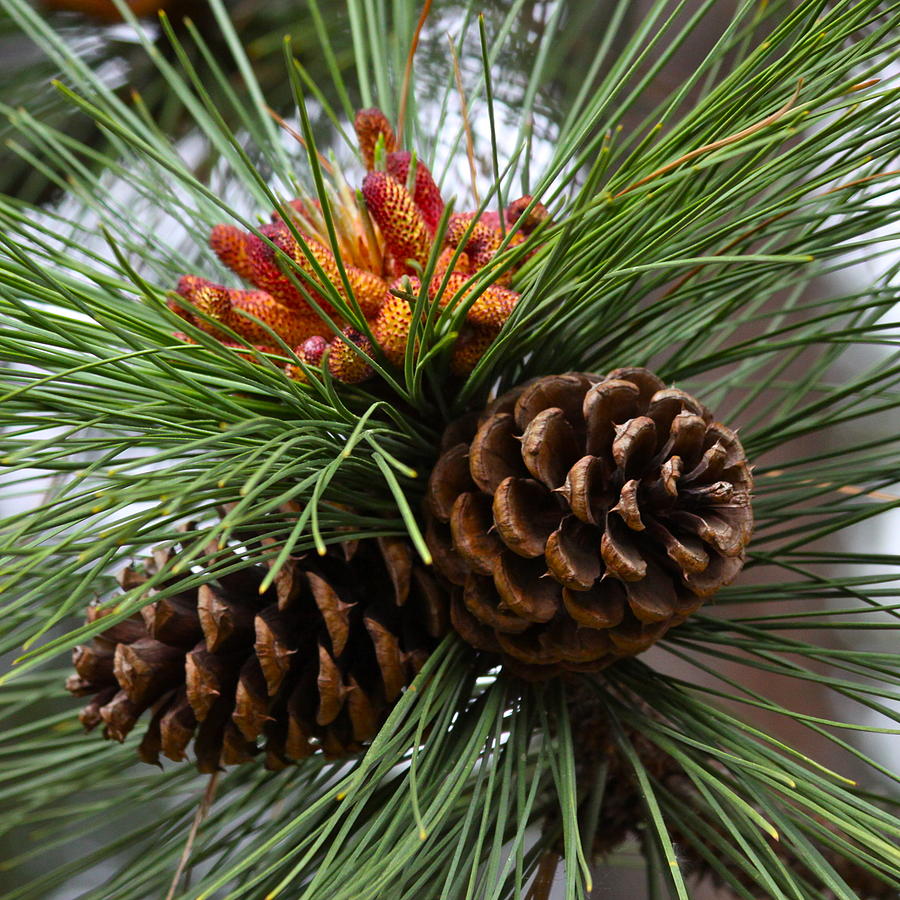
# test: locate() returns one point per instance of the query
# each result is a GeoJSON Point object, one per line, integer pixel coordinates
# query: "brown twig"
{"type": "Point", "coordinates": [299, 138]}
{"type": "Point", "coordinates": [716, 145]}
{"type": "Point", "coordinates": [851, 490]}
{"type": "Point", "coordinates": [543, 880]}
{"type": "Point", "coordinates": [407, 72]}
{"type": "Point", "coordinates": [766, 222]}
{"type": "Point", "coordinates": [858, 181]}
{"type": "Point", "coordinates": [731, 244]}
{"type": "Point", "coordinates": [464, 111]}
{"type": "Point", "coordinates": [202, 811]}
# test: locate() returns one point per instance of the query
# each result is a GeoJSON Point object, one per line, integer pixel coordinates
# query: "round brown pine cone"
{"type": "Point", "coordinates": [315, 662]}
{"type": "Point", "coordinates": [582, 517]}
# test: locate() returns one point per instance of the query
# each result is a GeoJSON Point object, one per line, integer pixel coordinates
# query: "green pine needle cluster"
{"type": "Point", "coordinates": [703, 230]}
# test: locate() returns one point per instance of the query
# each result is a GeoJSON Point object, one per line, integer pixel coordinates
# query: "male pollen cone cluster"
{"type": "Point", "coordinates": [381, 242]}
{"type": "Point", "coordinates": [582, 517]}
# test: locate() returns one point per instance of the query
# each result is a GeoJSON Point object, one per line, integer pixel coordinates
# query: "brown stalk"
{"type": "Point", "coordinates": [202, 812]}
{"type": "Point", "coordinates": [858, 181]}
{"type": "Point", "coordinates": [299, 138]}
{"type": "Point", "coordinates": [716, 145]}
{"type": "Point", "coordinates": [464, 111]}
{"type": "Point", "coordinates": [543, 880]}
{"type": "Point", "coordinates": [850, 490]}
{"type": "Point", "coordinates": [407, 73]}
{"type": "Point", "coordinates": [766, 222]}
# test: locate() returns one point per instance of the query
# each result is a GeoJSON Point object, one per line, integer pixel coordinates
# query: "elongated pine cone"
{"type": "Point", "coordinates": [583, 517]}
{"type": "Point", "coordinates": [315, 662]}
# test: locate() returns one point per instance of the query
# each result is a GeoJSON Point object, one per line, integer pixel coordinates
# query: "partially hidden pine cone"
{"type": "Point", "coordinates": [582, 517]}
{"type": "Point", "coordinates": [624, 813]}
{"type": "Point", "coordinates": [315, 662]}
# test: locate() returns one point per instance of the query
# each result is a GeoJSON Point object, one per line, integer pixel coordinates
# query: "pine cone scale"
{"type": "Point", "coordinates": [272, 649]}
{"type": "Point", "coordinates": [550, 447]}
{"type": "Point", "coordinates": [685, 550]}
{"type": "Point", "coordinates": [251, 706]}
{"type": "Point", "coordinates": [525, 515]}
{"type": "Point", "coordinates": [584, 489]}
{"type": "Point", "coordinates": [362, 712]}
{"type": "Point", "coordinates": [335, 613]}
{"type": "Point", "coordinates": [146, 669]}
{"type": "Point", "coordinates": [652, 599]}
{"type": "Point", "coordinates": [390, 659]}
{"type": "Point", "coordinates": [524, 590]}
{"type": "Point", "coordinates": [634, 445]}
{"type": "Point", "coordinates": [565, 392]}
{"type": "Point", "coordinates": [605, 405]}
{"type": "Point", "coordinates": [721, 570]}
{"type": "Point", "coordinates": [471, 520]}
{"type": "Point", "coordinates": [398, 558]}
{"type": "Point", "coordinates": [120, 715]}
{"type": "Point", "coordinates": [331, 689]}
{"type": "Point", "coordinates": [480, 598]}
{"type": "Point", "coordinates": [686, 440]}
{"type": "Point", "coordinates": [494, 455]}
{"type": "Point", "coordinates": [450, 479]}
{"type": "Point", "coordinates": [570, 556]}
{"type": "Point", "coordinates": [449, 563]}
{"type": "Point", "coordinates": [600, 607]}
{"type": "Point", "coordinates": [224, 623]}
{"type": "Point", "coordinates": [628, 507]}
{"type": "Point", "coordinates": [173, 620]}
{"type": "Point", "coordinates": [620, 553]}
{"type": "Point", "coordinates": [94, 662]}
{"type": "Point", "coordinates": [207, 676]}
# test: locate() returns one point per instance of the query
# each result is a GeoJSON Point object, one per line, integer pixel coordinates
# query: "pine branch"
{"type": "Point", "coordinates": [696, 233]}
